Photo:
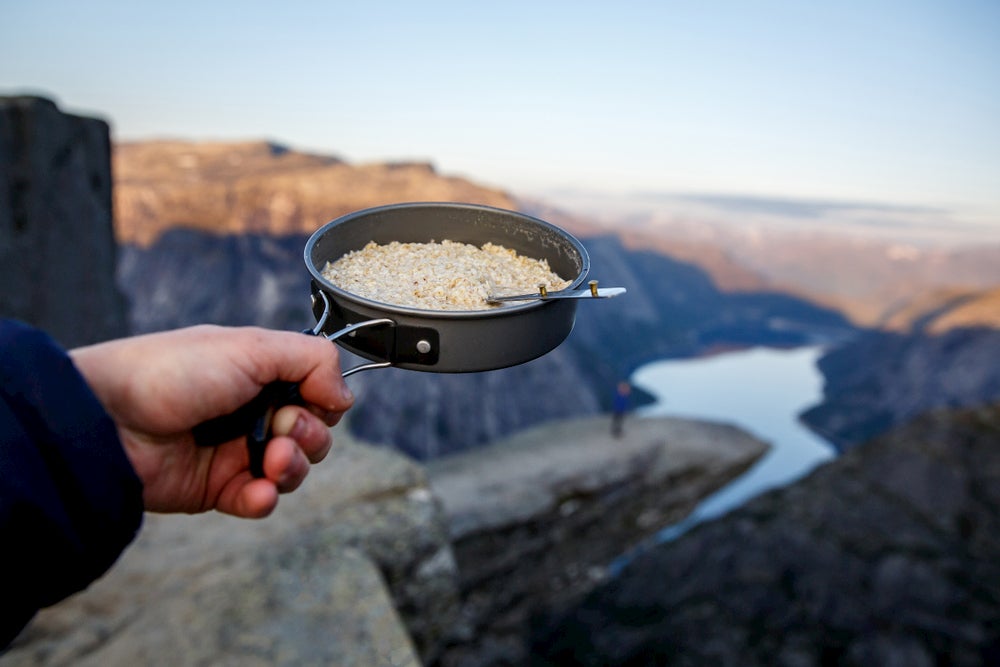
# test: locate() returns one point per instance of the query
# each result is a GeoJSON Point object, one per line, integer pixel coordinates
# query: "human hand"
{"type": "Point", "coordinates": [159, 386]}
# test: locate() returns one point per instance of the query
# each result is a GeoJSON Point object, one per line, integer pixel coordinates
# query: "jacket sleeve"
{"type": "Point", "coordinates": [70, 501]}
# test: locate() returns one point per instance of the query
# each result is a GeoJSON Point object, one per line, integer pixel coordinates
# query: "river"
{"type": "Point", "coordinates": [761, 390]}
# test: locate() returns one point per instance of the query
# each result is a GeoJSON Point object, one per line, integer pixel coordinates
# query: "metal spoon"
{"type": "Point", "coordinates": [592, 292]}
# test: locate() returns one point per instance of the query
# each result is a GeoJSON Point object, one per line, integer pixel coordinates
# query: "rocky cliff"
{"type": "Point", "coordinates": [886, 556]}
{"type": "Point", "coordinates": [377, 561]}
{"type": "Point", "coordinates": [941, 351]}
{"type": "Point", "coordinates": [536, 519]}
{"type": "Point", "coordinates": [57, 247]}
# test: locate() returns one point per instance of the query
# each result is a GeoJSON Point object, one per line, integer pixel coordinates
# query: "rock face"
{"type": "Point", "coordinates": [886, 556]}
{"type": "Point", "coordinates": [882, 380]}
{"type": "Point", "coordinates": [57, 246]}
{"type": "Point", "coordinates": [536, 519]}
{"type": "Point", "coordinates": [353, 569]}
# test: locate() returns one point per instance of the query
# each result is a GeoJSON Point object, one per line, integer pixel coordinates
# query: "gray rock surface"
{"type": "Point", "coordinates": [536, 519]}
{"type": "Point", "coordinates": [354, 568]}
{"type": "Point", "coordinates": [378, 560]}
{"type": "Point", "coordinates": [57, 246]}
{"type": "Point", "coordinates": [889, 555]}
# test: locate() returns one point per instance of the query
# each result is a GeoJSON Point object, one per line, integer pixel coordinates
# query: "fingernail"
{"type": "Point", "coordinates": [346, 393]}
{"type": "Point", "coordinates": [280, 425]}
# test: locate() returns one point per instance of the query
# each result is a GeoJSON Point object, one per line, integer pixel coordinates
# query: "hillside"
{"type": "Point", "coordinates": [885, 556]}
{"type": "Point", "coordinates": [865, 263]}
{"type": "Point", "coordinates": [260, 187]}
{"type": "Point", "coordinates": [938, 349]}
{"type": "Point", "coordinates": [266, 188]}
{"type": "Point", "coordinates": [940, 311]}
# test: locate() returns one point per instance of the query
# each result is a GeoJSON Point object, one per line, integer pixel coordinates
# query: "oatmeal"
{"type": "Point", "coordinates": [439, 276]}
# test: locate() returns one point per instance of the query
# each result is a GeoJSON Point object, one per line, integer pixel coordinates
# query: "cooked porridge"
{"type": "Point", "coordinates": [439, 276]}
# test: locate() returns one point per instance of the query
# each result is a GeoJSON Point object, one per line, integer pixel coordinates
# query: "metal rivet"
{"type": "Point", "coordinates": [423, 347]}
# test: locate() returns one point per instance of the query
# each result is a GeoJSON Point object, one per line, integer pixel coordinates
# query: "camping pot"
{"type": "Point", "coordinates": [437, 341]}
{"type": "Point", "coordinates": [447, 341]}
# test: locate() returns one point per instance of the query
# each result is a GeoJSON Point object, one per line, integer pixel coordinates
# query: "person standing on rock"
{"type": "Point", "coordinates": [93, 437]}
{"type": "Point", "coordinates": [619, 408]}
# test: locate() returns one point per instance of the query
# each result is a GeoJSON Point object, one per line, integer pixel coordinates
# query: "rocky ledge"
{"type": "Point", "coordinates": [354, 569]}
{"type": "Point", "coordinates": [377, 560]}
{"type": "Point", "coordinates": [536, 519]}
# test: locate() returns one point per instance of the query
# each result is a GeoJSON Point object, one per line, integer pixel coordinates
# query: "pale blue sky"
{"type": "Point", "coordinates": [881, 101]}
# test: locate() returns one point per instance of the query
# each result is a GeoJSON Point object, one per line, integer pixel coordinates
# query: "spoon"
{"type": "Point", "coordinates": [592, 292]}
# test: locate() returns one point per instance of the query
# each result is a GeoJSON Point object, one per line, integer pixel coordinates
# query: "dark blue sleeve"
{"type": "Point", "coordinates": [70, 501]}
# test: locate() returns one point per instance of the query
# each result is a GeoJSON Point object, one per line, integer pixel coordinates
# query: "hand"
{"type": "Point", "coordinates": [159, 386]}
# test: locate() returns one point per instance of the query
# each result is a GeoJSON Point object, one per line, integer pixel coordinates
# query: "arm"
{"type": "Point", "coordinates": [69, 499]}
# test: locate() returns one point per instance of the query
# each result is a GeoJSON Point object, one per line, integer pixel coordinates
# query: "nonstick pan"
{"type": "Point", "coordinates": [417, 339]}
{"type": "Point", "coordinates": [441, 341]}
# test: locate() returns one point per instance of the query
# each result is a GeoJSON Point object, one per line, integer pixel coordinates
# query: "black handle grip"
{"type": "Point", "coordinates": [253, 419]}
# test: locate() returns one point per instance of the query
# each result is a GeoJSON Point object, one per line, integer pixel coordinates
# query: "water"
{"type": "Point", "coordinates": [761, 390]}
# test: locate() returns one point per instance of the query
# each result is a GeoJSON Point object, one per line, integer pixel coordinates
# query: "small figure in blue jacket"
{"type": "Point", "coordinates": [619, 408]}
{"type": "Point", "coordinates": [91, 438]}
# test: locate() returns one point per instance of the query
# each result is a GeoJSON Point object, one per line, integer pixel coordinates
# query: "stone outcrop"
{"type": "Point", "coordinates": [882, 380]}
{"type": "Point", "coordinates": [888, 555]}
{"type": "Point", "coordinates": [353, 569]}
{"type": "Point", "coordinates": [57, 246]}
{"type": "Point", "coordinates": [536, 519]}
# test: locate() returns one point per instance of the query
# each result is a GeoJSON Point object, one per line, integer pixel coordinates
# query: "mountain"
{"type": "Point", "coordinates": [931, 307]}
{"type": "Point", "coordinates": [262, 187]}
{"type": "Point", "coordinates": [941, 350]}
{"type": "Point", "coordinates": [862, 259]}
{"type": "Point", "coordinates": [940, 311]}
{"type": "Point", "coordinates": [188, 257]}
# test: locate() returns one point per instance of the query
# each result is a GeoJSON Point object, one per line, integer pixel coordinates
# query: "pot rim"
{"type": "Point", "coordinates": [486, 313]}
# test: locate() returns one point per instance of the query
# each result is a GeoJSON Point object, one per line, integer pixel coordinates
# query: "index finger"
{"type": "Point", "coordinates": [311, 361]}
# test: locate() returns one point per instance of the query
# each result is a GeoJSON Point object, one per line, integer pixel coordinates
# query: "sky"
{"type": "Point", "coordinates": [881, 101]}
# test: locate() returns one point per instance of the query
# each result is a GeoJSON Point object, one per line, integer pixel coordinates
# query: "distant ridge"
{"type": "Point", "coordinates": [262, 187]}
{"type": "Point", "coordinates": [944, 310]}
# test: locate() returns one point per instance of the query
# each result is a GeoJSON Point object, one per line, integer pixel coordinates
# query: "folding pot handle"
{"type": "Point", "coordinates": [253, 419]}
